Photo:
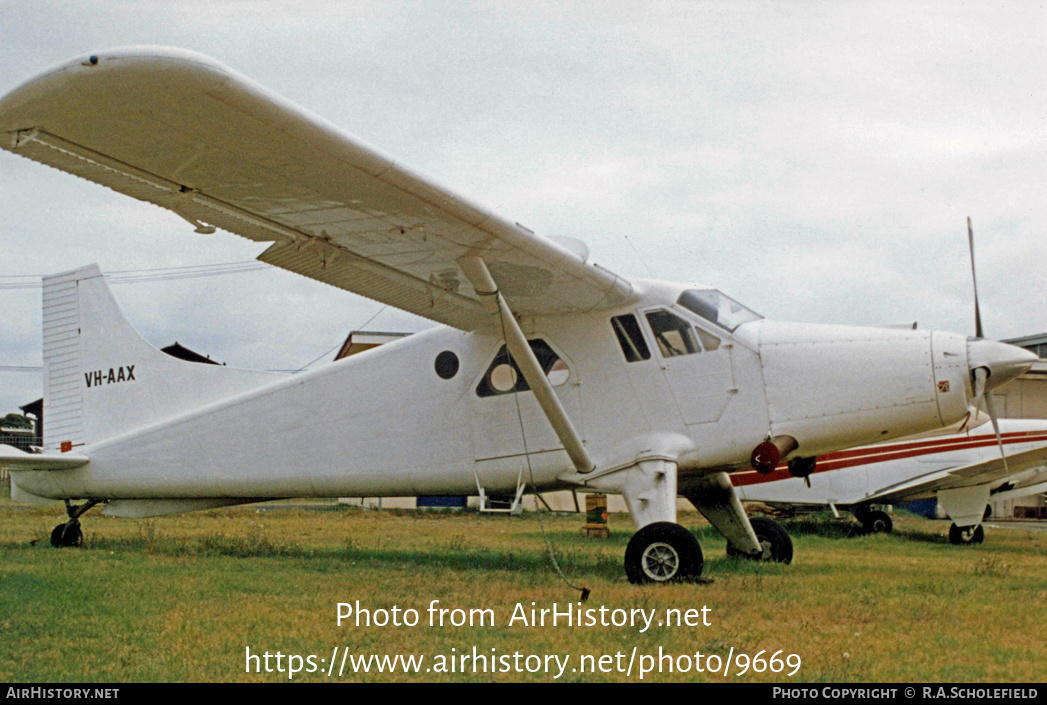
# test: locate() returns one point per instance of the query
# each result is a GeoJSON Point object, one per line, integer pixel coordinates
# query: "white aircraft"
{"type": "Point", "coordinates": [962, 470]}
{"type": "Point", "coordinates": [548, 371]}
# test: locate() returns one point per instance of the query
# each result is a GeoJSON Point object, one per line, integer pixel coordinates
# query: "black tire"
{"type": "Point", "coordinates": [68, 534]}
{"type": "Point", "coordinates": [962, 536]}
{"type": "Point", "coordinates": [774, 540]}
{"type": "Point", "coordinates": [663, 552]}
{"type": "Point", "coordinates": [877, 522]}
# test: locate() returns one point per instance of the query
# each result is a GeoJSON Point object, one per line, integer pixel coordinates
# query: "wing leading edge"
{"type": "Point", "coordinates": [184, 132]}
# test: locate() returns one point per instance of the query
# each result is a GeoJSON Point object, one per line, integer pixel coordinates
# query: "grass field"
{"type": "Point", "coordinates": [182, 598]}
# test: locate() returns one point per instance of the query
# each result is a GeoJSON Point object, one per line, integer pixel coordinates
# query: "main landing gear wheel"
{"type": "Point", "coordinates": [877, 522]}
{"type": "Point", "coordinates": [775, 544]}
{"type": "Point", "coordinates": [68, 534]}
{"type": "Point", "coordinates": [663, 552]}
{"type": "Point", "coordinates": [961, 536]}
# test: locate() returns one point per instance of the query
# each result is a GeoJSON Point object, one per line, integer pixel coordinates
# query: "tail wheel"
{"type": "Point", "coordinates": [961, 536]}
{"type": "Point", "coordinates": [663, 552]}
{"type": "Point", "coordinates": [68, 534]}
{"type": "Point", "coordinates": [775, 544]}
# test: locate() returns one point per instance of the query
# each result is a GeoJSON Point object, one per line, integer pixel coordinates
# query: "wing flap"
{"type": "Point", "coordinates": [331, 265]}
{"type": "Point", "coordinates": [183, 132]}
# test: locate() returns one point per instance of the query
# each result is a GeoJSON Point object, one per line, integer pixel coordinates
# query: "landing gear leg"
{"type": "Point", "coordinates": [775, 544]}
{"type": "Point", "coordinates": [759, 538]}
{"type": "Point", "coordinates": [661, 551]}
{"type": "Point", "coordinates": [70, 533]}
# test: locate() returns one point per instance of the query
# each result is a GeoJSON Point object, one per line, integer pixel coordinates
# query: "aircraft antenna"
{"type": "Point", "coordinates": [649, 272]}
{"type": "Point", "coordinates": [322, 356]}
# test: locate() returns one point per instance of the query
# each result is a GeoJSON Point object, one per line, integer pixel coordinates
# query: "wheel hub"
{"type": "Point", "coordinates": [660, 561]}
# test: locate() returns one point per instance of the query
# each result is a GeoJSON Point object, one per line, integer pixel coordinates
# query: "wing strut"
{"type": "Point", "coordinates": [479, 276]}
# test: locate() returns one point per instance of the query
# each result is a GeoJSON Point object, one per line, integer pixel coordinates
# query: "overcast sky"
{"type": "Point", "coordinates": [815, 160]}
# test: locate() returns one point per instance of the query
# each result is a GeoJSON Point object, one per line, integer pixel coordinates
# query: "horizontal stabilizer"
{"type": "Point", "coordinates": [12, 459]}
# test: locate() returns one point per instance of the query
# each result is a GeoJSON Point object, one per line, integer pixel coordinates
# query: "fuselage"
{"type": "Point", "coordinates": [655, 379]}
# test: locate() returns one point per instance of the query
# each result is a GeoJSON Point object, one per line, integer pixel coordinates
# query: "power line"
{"type": "Point", "coordinates": [137, 276]}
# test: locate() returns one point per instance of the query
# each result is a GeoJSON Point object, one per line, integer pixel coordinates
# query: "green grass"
{"type": "Point", "coordinates": [180, 598]}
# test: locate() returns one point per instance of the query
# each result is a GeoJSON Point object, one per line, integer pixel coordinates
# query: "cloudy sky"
{"type": "Point", "coordinates": [814, 160]}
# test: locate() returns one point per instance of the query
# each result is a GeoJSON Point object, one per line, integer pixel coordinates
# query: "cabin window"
{"type": "Point", "coordinates": [709, 341]}
{"type": "Point", "coordinates": [446, 364]}
{"type": "Point", "coordinates": [503, 376]}
{"type": "Point", "coordinates": [674, 335]}
{"type": "Point", "coordinates": [627, 329]}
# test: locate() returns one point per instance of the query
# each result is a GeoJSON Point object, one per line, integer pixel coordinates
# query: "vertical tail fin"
{"type": "Point", "coordinates": [101, 378]}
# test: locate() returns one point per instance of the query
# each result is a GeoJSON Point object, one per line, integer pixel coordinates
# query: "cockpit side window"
{"type": "Point", "coordinates": [674, 335]}
{"type": "Point", "coordinates": [709, 341]}
{"type": "Point", "coordinates": [503, 376]}
{"type": "Point", "coordinates": [634, 347]}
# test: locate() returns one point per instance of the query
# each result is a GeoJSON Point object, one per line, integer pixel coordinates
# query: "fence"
{"type": "Point", "coordinates": [20, 438]}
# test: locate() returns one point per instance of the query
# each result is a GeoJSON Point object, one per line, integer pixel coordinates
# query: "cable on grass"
{"type": "Point", "coordinates": [585, 592]}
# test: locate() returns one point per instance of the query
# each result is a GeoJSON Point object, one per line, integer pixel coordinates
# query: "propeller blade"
{"type": "Point", "coordinates": [977, 310]}
{"type": "Point", "coordinates": [990, 403]}
{"type": "Point", "coordinates": [981, 375]}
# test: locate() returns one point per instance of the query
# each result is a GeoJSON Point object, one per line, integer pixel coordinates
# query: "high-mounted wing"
{"type": "Point", "coordinates": [182, 131]}
{"type": "Point", "coordinates": [963, 476]}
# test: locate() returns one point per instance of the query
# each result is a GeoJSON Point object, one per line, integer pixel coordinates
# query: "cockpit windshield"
{"type": "Point", "coordinates": [717, 307]}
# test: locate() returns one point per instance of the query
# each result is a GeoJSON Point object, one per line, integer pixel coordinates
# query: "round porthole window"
{"type": "Point", "coordinates": [447, 364]}
{"type": "Point", "coordinates": [503, 378]}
